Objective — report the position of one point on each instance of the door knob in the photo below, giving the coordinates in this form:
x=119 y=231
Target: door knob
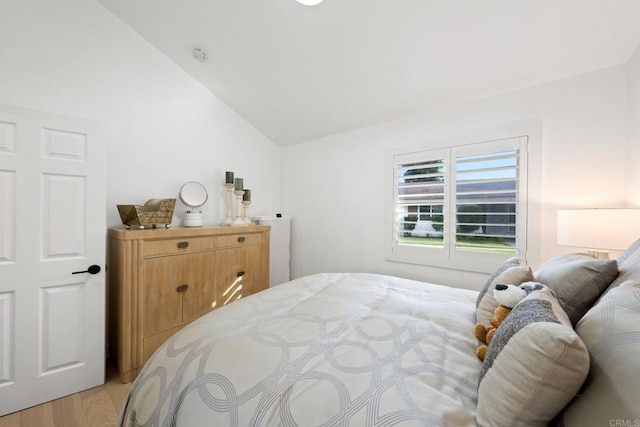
x=93 y=269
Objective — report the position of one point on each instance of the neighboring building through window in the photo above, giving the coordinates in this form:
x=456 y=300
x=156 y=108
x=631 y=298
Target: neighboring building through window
x=461 y=206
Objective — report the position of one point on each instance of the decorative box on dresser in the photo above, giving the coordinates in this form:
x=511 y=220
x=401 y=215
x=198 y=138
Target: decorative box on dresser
x=162 y=279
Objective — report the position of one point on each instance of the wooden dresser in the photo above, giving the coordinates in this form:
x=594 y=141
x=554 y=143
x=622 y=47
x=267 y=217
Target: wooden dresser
x=162 y=279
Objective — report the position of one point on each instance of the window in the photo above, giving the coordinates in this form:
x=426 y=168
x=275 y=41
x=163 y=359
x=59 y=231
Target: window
x=463 y=206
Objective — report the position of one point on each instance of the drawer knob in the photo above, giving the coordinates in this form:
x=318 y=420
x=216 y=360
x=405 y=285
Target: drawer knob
x=241 y=239
x=182 y=288
x=183 y=245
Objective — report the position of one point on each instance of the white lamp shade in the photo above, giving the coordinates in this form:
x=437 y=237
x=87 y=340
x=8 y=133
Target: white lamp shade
x=598 y=228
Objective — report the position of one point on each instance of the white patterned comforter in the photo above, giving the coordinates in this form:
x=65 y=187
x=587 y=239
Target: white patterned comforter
x=327 y=349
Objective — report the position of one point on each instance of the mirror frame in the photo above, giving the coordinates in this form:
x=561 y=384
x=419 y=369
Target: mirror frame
x=187 y=199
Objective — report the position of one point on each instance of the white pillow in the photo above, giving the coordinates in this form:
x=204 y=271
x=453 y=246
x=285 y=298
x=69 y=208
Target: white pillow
x=629 y=265
x=611 y=332
x=534 y=365
x=509 y=273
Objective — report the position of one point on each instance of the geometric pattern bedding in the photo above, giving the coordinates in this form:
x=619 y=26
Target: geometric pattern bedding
x=328 y=349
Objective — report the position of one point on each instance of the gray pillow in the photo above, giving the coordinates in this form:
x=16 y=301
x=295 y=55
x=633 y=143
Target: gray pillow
x=578 y=280
x=534 y=365
x=611 y=332
x=512 y=273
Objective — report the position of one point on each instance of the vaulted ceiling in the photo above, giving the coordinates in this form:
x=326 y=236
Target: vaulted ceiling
x=299 y=72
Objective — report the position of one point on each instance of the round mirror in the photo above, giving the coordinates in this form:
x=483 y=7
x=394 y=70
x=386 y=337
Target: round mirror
x=193 y=194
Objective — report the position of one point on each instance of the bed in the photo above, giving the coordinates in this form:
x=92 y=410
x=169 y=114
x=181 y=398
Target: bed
x=372 y=350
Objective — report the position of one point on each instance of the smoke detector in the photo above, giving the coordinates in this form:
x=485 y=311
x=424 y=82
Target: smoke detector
x=200 y=55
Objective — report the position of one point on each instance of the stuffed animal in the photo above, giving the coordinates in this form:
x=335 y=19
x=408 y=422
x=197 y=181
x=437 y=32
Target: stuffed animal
x=507 y=296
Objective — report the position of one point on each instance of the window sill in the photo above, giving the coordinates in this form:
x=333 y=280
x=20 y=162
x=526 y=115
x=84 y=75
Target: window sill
x=483 y=266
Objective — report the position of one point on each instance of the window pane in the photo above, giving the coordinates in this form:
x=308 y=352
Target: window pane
x=486 y=202
x=420 y=203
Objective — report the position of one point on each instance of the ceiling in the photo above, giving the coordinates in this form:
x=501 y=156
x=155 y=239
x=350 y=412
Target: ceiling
x=299 y=73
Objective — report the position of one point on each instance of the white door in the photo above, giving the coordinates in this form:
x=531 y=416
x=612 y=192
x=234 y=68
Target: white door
x=52 y=224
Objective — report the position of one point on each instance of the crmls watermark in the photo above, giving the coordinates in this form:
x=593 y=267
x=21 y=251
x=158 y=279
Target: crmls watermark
x=624 y=423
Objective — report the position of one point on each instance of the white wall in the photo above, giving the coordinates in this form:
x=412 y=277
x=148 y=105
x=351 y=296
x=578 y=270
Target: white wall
x=74 y=57
x=334 y=188
x=633 y=126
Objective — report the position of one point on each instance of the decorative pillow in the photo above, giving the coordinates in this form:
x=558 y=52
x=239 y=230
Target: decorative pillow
x=629 y=265
x=611 y=332
x=534 y=365
x=578 y=280
x=509 y=273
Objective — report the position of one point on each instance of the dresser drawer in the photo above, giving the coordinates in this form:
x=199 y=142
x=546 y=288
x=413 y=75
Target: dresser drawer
x=176 y=246
x=239 y=240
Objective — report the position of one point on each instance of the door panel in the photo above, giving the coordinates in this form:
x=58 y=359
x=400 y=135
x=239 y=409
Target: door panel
x=199 y=297
x=62 y=222
x=236 y=274
x=7 y=216
x=250 y=259
x=52 y=223
x=64 y=145
x=62 y=309
x=228 y=283
x=7 y=325
x=161 y=301
x=7 y=137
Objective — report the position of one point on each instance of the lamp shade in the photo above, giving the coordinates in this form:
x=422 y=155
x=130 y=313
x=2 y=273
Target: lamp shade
x=598 y=228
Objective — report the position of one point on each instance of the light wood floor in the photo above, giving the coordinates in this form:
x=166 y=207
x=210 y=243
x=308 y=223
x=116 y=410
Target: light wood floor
x=95 y=407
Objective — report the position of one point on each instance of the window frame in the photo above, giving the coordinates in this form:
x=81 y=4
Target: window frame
x=526 y=137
